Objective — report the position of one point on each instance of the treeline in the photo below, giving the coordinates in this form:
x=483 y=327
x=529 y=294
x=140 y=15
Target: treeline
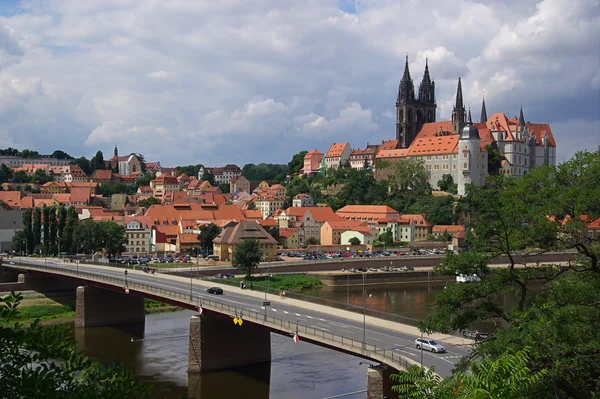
x=56 y=230
x=13 y=152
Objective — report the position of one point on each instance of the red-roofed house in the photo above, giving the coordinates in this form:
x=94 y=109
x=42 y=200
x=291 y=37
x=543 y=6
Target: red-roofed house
x=331 y=231
x=164 y=184
x=312 y=162
x=138 y=234
x=288 y=238
x=308 y=220
x=365 y=234
x=367 y=213
x=422 y=227
x=338 y=154
x=11 y=198
x=363 y=158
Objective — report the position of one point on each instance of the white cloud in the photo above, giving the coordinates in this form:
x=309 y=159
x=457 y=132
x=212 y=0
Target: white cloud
x=231 y=81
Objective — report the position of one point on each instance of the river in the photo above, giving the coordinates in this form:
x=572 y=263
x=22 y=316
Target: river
x=298 y=370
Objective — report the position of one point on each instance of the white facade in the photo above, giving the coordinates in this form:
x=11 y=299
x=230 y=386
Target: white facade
x=337 y=160
x=365 y=238
x=303 y=200
x=17 y=162
x=269 y=204
x=138 y=238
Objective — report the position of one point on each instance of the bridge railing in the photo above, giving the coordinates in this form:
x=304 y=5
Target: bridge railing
x=374 y=352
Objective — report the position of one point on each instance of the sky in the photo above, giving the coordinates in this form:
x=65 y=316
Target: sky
x=251 y=81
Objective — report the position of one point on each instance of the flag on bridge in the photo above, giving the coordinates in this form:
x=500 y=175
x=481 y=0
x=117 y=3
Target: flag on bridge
x=296 y=338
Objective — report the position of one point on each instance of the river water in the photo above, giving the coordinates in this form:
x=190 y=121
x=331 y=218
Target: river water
x=298 y=370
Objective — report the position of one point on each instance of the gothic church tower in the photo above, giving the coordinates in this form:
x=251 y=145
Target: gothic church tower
x=411 y=112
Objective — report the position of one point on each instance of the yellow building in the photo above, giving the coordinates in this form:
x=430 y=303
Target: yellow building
x=225 y=244
x=288 y=238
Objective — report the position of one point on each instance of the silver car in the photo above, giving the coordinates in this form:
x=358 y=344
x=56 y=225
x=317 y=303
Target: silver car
x=430 y=345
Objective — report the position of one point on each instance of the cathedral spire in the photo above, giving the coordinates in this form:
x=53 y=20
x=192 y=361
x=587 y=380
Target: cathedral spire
x=116 y=151
x=483 y=118
x=426 y=77
x=459 y=97
x=521 y=120
x=469 y=120
x=406 y=75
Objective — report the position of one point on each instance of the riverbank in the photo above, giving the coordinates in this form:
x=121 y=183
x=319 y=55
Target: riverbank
x=278 y=282
x=59 y=308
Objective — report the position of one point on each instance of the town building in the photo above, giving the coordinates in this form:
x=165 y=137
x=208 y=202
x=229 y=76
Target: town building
x=365 y=234
x=226 y=243
x=361 y=159
x=68 y=174
x=11 y=198
x=367 y=213
x=127 y=165
x=312 y=162
x=239 y=183
x=421 y=226
x=308 y=220
x=17 y=162
x=303 y=200
x=222 y=175
x=138 y=234
x=164 y=184
x=331 y=231
x=11 y=221
x=268 y=204
x=338 y=155
x=288 y=238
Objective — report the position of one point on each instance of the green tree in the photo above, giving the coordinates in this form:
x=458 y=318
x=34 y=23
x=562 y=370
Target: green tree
x=28 y=228
x=53 y=224
x=296 y=163
x=209 y=177
x=20 y=177
x=60 y=227
x=4 y=206
x=86 y=165
x=97 y=162
x=6 y=174
x=142 y=160
x=409 y=176
x=247 y=256
x=263 y=171
x=113 y=237
x=494 y=160
x=546 y=210
x=58 y=154
x=251 y=206
x=40 y=177
x=37 y=226
x=145 y=180
x=312 y=241
x=224 y=188
x=207 y=234
x=148 y=202
x=354 y=241
x=72 y=220
x=19 y=241
x=387 y=237
x=447 y=184
x=44 y=362
x=46 y=228
x=507 y=377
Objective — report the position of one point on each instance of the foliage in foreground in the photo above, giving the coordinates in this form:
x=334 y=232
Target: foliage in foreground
x=43 y=362
x=546 y=210
x=507 y=377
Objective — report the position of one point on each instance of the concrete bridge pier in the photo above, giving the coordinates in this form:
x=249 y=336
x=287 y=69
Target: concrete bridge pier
x=218 y=344
x=98 y=307
x=379 y=384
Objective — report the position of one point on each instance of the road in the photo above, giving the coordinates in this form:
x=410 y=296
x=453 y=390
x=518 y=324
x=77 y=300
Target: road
x=396 y=340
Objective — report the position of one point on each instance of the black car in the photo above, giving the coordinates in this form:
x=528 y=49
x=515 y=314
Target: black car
x=215 y=290
x=229 y=275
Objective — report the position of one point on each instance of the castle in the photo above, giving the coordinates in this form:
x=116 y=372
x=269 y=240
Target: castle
x=458 y=147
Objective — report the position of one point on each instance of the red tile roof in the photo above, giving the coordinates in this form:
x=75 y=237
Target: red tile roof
x=102 y=174
x=320 y=214
x=11 y=198
x=389 y=145
x=336 y=149
x=419 y=219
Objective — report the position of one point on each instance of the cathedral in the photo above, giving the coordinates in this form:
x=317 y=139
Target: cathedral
x=459 y=147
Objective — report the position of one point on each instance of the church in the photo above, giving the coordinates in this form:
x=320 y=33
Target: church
x=458 y=147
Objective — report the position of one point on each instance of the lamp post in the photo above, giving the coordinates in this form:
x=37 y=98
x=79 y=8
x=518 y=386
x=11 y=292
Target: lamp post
x=126 y=278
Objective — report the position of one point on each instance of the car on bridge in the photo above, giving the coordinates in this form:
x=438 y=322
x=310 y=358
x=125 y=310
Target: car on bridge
x=430 y=345
x=215 y=290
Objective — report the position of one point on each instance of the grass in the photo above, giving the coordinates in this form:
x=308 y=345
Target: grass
x=282 y=282
x=44 y=312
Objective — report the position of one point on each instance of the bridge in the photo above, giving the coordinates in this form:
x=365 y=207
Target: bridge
x=106 y=296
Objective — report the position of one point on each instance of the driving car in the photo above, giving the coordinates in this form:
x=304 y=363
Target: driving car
x=430 y=345
x=215 y=290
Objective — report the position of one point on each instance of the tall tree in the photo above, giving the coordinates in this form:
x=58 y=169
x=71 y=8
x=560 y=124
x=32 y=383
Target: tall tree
x=60 y=231
x=37 y=226
x=20 y=176
x=67 y=242
x=409 y=176
x=207 y=234
x=494 y=160
x=296 y=163
x=98 y=161
x=247 y=256
x=28 y=228
x=53 y=225
x=209 y=177
x=85 y=165
x=113 y=237
x=46 y=227
x=142 y=160
x=6 y=174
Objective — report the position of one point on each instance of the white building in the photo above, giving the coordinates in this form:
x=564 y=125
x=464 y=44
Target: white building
x=17 y=162
x=222 y=175
x=338 y=155
x=303 y=200
x=138 y=234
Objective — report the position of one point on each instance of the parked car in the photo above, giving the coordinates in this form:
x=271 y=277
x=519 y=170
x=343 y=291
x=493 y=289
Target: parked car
x=215 y=290
x=372 y=269
x=406 y=268
x=393 y=269
x=219 y=275
x=429 y=345
x=229 y=275
x=212 y=257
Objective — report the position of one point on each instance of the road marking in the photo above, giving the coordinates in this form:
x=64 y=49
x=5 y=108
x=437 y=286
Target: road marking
x=274 y=310
x=262 y=307
x=286 y=312
x=319 y=328
x=341 y=325
x=374 y=339
x=407 y=352
x=309 y=316
x=253 y=310
x=322 y=319
x=321 y=324
x=299 y=315
x=349 y=332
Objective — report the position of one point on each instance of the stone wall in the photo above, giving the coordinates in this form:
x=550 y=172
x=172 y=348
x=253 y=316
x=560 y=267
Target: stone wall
x=218 y=344
x=99 y=307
